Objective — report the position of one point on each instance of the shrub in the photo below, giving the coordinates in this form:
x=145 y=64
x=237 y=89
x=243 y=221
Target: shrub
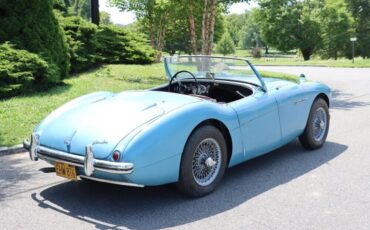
x=256 y=52
x=116 y=45
x=90 y=45
x=31 y=25
x=19 y=69
x=82 y=42
x=226 y=45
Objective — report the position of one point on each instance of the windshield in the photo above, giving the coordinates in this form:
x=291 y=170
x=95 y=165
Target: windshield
x=222 y=68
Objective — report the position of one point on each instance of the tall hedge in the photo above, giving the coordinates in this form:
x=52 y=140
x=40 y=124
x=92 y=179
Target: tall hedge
x=116 y=45
x=82 y=42
x=31 y=25
x=90 y=45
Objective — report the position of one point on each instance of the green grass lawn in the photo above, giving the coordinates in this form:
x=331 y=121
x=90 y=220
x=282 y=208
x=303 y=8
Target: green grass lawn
x=359 y=62
x=19 y=115
x=292 y=60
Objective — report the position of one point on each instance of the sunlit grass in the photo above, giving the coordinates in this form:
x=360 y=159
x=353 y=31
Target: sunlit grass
x=284 y=76
x=293 y=60
x=359 y=62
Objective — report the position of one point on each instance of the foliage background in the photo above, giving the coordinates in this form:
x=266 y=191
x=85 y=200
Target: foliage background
x=33 y=26
x=41 y=46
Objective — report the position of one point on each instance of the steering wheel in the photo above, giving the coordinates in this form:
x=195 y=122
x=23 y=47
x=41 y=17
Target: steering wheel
x=179 y=82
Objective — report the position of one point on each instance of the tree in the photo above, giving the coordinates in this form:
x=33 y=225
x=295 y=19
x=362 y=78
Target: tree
x=160 y=15
x=360 y=10
x=190 y=10
x=80 y=8
x=245 y=30
x=172 y=25
x=32 y=25
x=177 y=36
x=226 y=45
x=234 y=23
x=336 y=29
x=291 y=24
x=152 y=14
x=208 y=23
x=104 y=18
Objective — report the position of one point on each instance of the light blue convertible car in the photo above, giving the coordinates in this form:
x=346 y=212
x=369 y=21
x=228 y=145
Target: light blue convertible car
x=214 y=113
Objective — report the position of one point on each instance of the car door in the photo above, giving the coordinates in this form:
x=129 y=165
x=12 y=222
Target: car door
x=294 y=104
x=259 y=123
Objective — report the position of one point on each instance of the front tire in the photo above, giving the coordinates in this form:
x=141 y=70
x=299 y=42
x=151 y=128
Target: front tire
x=203 y=162
x=317 y=128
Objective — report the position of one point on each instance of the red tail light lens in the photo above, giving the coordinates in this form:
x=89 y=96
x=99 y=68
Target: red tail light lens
x=116 y=155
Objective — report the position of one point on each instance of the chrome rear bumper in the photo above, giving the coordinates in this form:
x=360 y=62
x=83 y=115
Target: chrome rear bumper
x=88 y=162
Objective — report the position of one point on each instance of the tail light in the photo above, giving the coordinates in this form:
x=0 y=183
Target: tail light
x=116 y=155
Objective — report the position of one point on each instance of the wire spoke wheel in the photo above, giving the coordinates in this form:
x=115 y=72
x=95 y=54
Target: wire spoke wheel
x=319 y=124
x=317 y=127
x=206 y=161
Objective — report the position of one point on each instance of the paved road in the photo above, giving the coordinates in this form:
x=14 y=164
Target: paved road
x=287 y=189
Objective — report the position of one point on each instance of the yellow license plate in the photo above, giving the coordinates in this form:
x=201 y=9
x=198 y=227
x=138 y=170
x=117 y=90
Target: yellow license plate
x=65 y=170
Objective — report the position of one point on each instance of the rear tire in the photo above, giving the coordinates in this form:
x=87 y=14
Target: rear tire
x=317 y=128
x=203 y=162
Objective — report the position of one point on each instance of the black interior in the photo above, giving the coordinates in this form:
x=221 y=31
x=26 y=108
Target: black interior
x=217 y=90
x=228 y=93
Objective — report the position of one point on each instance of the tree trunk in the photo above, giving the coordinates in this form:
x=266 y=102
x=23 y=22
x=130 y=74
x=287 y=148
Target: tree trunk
x=266 y=49
x=151 y=30
x=306 y=54
x=208 y=25
x=95 y=12
x=161 y=34
x=193 y=34
x=205 y=27
x=211 y=25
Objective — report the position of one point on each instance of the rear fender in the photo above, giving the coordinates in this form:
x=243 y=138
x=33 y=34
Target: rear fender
x=156 y=150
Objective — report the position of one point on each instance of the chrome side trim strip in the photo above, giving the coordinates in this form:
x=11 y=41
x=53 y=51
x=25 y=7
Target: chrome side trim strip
x=300 y=101
x=111 y=181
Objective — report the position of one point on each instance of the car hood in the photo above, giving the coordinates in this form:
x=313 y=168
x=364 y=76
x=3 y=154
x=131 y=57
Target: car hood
x=105 y=118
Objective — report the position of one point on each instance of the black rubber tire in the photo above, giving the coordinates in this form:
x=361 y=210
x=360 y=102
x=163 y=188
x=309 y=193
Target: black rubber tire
x=187 y=183
x=306 y=139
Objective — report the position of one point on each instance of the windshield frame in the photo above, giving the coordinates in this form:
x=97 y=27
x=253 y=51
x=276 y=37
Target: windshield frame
x=248 y=63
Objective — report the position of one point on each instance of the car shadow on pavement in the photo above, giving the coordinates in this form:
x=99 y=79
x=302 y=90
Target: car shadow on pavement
x=347 y=101
x=12 y=173
x=110 y=207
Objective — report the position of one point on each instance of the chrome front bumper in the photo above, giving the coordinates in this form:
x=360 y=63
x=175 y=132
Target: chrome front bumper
x=88 y=162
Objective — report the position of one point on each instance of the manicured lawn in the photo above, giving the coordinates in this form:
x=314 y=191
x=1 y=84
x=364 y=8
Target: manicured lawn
x=359 y=62
x=292 y=60
x=19 y=115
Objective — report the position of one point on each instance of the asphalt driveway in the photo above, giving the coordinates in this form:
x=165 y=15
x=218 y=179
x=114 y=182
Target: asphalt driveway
x=289 y=188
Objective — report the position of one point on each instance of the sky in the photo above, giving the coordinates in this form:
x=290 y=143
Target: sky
x=125 y=18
